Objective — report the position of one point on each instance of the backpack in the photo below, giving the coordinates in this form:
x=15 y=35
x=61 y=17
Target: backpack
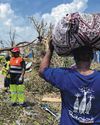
x=76 y=30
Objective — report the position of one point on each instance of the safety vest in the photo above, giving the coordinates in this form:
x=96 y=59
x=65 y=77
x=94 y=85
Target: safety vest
x=5 y=69
x=15 y=65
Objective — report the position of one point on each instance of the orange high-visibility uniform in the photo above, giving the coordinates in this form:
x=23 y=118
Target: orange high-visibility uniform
x=15 y=65
x=16 y=87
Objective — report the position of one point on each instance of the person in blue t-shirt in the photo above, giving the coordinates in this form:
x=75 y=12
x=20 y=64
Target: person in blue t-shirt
x=79 y=87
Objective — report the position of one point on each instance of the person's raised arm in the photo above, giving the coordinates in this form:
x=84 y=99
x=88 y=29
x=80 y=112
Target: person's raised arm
x=45 y=63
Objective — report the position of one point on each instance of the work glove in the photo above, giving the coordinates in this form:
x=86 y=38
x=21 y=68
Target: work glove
x=21 y=79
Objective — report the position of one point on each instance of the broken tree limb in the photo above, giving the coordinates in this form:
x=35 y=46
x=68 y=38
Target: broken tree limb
x=25 y=43
x=19 y=45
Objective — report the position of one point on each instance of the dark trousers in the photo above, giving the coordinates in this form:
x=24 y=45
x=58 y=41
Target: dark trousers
x=15 y=79
x=7 y=82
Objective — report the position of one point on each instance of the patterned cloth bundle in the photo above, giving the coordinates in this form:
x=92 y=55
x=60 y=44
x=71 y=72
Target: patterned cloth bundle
x=76 y=30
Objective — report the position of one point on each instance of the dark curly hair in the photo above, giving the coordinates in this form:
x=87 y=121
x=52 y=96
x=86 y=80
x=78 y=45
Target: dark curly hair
x=83 y=54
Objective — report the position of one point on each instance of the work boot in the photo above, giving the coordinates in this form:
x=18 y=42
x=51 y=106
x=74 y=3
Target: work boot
x=23 y=104
x=14 y=104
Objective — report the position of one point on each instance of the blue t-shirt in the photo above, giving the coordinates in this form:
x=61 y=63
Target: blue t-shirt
x=80 y=95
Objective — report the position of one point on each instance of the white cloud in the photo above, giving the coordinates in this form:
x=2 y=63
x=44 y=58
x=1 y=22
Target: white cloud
x=61 y=10
x=9 y=20
x=5 y=10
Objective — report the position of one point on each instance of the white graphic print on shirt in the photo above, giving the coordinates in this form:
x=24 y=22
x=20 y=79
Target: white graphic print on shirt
x=83 y=106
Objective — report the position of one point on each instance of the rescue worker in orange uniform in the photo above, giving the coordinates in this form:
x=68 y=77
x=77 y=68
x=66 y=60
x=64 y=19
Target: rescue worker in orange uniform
x=17 y=71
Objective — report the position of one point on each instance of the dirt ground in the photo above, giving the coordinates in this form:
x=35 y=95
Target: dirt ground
x=34 y=114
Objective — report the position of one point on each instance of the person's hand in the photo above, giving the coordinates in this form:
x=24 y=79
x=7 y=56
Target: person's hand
x=21 y=78
x=40 y=38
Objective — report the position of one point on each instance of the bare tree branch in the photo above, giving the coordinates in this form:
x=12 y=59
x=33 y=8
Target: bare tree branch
x=19 y=45
x=12 y=37
x=40 y=26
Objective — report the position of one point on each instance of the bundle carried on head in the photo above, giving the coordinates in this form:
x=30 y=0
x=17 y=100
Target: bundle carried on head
x=76 y=30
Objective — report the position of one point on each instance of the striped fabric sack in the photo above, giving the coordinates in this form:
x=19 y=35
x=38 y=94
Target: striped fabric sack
x=75 y=30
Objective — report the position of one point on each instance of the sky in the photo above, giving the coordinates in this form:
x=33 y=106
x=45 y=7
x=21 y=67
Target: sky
x=14 y=14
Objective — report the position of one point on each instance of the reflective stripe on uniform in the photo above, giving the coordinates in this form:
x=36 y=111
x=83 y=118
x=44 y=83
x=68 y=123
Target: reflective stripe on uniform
x=15 y=71
x=15 y=67
x=20 y=92
x=13 y=92
x=17 y=93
